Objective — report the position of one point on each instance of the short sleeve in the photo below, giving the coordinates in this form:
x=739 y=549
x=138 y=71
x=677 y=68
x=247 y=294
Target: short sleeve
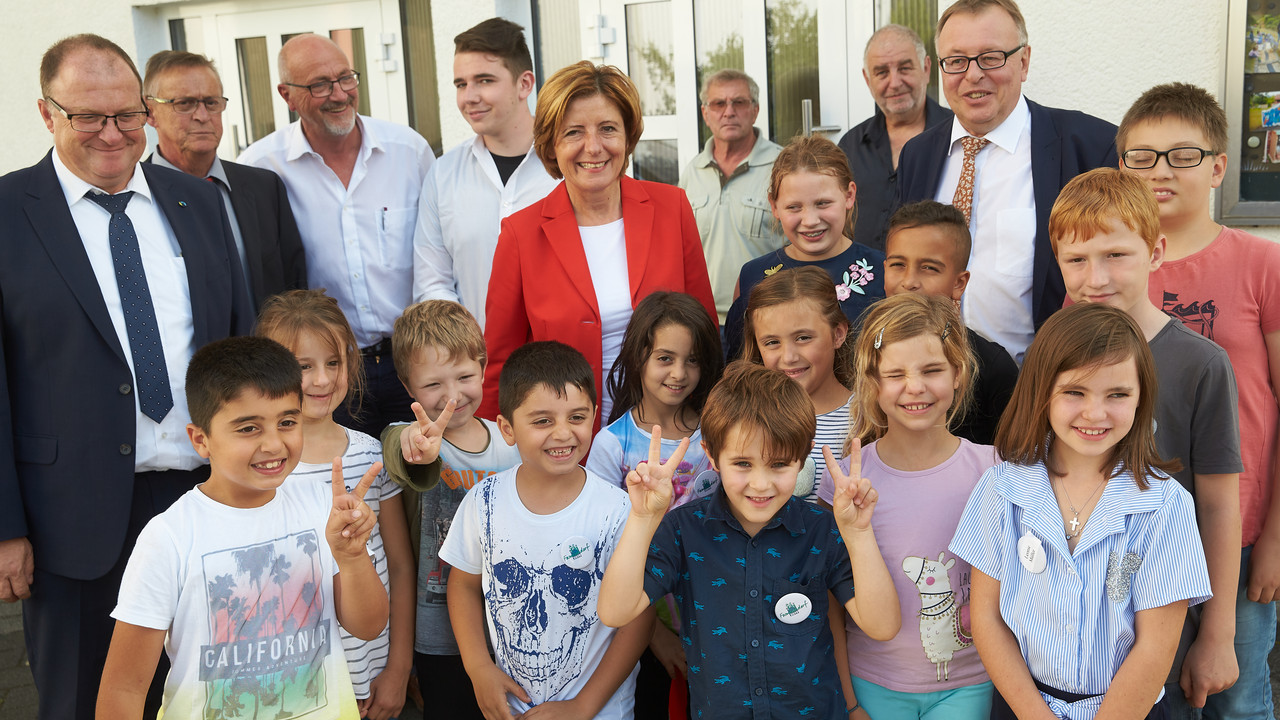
x=1215 y=424
x=615 y=522
x=152 y=580
x=1172 y=557
x=979 y=536
x=605 y=459
x=665 y=555
x=461 y=547
x=384 y=486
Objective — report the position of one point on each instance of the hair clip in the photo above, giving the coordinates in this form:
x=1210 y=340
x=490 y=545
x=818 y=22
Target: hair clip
x=946 y=330
x=879 y=338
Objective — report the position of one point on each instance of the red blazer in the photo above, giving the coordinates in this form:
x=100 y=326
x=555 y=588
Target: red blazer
x=540 y=288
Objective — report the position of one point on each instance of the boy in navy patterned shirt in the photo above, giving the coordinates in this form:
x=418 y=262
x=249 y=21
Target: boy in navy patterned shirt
x=750 y=566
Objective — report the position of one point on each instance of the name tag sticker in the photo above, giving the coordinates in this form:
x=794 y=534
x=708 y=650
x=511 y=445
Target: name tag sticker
x=1031 y=553
x=576 y=552
x=793 y=608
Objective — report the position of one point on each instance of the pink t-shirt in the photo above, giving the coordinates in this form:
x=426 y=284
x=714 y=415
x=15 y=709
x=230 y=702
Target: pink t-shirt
x=1230 y=293
x=915 y=519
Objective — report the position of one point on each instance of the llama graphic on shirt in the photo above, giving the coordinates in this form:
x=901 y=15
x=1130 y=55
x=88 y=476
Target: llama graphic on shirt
x=270 y=635
x=943 y=621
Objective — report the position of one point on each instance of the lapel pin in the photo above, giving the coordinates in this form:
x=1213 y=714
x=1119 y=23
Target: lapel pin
x=182 y=203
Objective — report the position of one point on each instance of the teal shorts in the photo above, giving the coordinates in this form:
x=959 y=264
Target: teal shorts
x=972 y=702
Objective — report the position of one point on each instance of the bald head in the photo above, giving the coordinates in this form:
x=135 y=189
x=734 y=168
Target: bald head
x=300 y=47
x=310 y=59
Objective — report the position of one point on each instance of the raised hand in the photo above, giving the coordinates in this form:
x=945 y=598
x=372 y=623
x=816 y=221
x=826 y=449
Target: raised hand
x=350 y=519
x=649 y=484
x=420 y=441
x=854 y=498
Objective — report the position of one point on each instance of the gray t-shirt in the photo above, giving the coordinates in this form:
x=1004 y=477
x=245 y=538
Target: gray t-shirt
x=1196 y=422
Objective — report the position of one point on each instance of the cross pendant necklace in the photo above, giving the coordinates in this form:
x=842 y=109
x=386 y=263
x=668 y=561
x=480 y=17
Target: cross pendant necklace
x=1075 y=514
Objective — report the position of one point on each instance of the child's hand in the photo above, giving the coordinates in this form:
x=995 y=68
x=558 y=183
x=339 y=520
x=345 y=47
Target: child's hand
x=420 y=441
x=350 y=520
x=649 y=484
x=557 y=710
x=386 y=697
x=492 y=687
x=665 y=645
x=854 y=499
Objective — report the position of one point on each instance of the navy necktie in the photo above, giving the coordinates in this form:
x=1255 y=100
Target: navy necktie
x=150 y=372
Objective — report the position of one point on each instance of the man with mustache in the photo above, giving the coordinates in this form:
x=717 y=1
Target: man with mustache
x=354 y=183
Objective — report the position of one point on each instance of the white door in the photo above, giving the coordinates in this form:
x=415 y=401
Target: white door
x=245 y=46
x=796 y=50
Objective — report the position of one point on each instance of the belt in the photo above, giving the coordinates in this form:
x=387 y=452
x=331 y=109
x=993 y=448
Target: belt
x=1062 y=695
x=382 y=347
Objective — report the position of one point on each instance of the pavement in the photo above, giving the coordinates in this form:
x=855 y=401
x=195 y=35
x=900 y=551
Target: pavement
x=18 y=692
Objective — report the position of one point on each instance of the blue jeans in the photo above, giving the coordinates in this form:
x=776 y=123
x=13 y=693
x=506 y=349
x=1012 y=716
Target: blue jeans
x=1250 y=697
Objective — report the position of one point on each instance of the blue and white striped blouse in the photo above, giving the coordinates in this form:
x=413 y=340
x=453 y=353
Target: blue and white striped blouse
x=1075 y=620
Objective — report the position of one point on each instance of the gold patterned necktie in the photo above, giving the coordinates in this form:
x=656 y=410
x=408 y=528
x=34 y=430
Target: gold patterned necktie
x=963 y=200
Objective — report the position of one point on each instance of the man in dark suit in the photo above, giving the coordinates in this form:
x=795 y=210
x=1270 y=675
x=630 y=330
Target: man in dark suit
x=1002 y=161
x=104 y=270
x=184 y=94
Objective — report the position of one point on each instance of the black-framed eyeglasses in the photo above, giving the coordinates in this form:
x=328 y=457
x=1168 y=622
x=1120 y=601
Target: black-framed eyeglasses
x=324 y=88
x=991 y=60
x=1179 y=157
x=719 y=105
x=95 y=122
x=188 y=105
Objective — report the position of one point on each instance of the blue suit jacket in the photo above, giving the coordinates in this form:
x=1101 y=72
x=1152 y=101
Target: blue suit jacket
x=1064 y=143
x=67 y=422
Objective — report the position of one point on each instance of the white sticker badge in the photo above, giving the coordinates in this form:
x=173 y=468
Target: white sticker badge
x=576 y=552
x=793 y=608
x=1031 y=553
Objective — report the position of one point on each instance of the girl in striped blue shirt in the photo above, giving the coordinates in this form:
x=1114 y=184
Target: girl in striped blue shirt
x=1084 y=555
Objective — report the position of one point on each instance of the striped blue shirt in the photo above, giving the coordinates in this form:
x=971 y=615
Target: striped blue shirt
x=1075 y=620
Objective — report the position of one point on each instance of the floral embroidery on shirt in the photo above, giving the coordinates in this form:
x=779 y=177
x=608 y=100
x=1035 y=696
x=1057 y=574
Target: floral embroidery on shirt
x=855 y=278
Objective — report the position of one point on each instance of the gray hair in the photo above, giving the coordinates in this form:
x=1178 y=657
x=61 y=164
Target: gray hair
x=728 y=75
x=903 y=32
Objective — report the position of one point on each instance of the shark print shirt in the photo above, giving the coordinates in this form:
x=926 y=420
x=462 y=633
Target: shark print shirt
x=754 y=609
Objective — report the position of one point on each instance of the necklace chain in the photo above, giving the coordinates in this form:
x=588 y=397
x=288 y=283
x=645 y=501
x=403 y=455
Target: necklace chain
x=1077 y=527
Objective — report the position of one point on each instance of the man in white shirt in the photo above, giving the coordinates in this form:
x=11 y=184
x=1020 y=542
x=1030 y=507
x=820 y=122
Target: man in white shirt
x=481 y=181
x=1002 y=161
x=184 y=93
x=354 y=183
x=112 y=273
x=728 y=183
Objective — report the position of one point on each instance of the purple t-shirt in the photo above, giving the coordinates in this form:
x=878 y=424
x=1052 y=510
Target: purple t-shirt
x=915 y=519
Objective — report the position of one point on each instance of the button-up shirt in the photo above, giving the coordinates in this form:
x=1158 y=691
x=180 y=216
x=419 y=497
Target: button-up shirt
x=870 y=156
x=459 y=218
x=732 y=212
x=997 y=302
x=358 y=237
x=158 y=445
x=224 y=189
x=744 y=662
x=1075 y=619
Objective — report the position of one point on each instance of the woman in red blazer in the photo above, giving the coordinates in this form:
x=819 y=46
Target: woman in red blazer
x=587 y=123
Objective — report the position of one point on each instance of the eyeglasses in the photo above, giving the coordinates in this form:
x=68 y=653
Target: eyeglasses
x=719 y=105
x=1179 y=157
x=992 y=60
x=324 y=88
x=188 y=105
x=95 y=122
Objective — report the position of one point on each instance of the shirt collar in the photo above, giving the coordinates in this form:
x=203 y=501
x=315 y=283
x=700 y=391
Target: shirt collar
x=74 y=188
x=791 y=516
x=1005 y=135
x=215 y=170
x=298 y=144
x=761 y=152
x=1027 y=487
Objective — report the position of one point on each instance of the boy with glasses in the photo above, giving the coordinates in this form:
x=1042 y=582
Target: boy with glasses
x=1224 y=284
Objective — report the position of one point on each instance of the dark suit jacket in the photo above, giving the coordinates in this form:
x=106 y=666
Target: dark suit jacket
x=541 y=287
x=67 y=423
x=272 y=244
x=1064 y=143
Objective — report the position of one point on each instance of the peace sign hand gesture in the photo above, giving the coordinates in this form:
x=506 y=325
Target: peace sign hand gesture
x=350 y=519
x=649 y=484
x=854 y=499
x=420 y=441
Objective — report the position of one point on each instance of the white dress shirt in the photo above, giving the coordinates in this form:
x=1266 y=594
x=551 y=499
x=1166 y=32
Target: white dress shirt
x=358 y=238
x=224 y=189
x=459 y=218
x=997 y=303
x=157 y=445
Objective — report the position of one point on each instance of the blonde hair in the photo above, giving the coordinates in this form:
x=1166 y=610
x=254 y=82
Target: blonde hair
x=441 y=324
x=286 y=316
x=802 y=283
x=814 y=154
x=903 y=317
